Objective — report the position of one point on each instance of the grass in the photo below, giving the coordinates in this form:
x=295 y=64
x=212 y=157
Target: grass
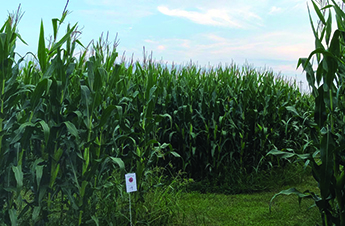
x=249 y=209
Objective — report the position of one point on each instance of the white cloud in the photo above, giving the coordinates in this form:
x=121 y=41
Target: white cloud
x=116 y=11
x=216 y=38
x=278 y=50
x=275 y=9
x=99 y=2
x=110 y=3
x=161 y=47
x=300 y=6
x=255 y=43
x=115 y=16
x=214 y=17
x=282 y=45
x=157 y=45
x=149 y=41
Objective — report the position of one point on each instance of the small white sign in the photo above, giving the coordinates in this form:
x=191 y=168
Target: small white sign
x=131 y=182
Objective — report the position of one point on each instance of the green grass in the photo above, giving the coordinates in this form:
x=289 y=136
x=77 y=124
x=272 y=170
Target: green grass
x=248 y=209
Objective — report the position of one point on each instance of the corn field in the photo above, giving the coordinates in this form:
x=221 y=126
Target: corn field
x=71 y=126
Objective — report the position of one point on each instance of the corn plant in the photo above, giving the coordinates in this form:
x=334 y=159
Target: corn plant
x=11 y=156
x=327 y=85
x=71 y=126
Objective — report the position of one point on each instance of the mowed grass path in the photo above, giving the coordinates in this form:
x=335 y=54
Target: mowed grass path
x=249 y=209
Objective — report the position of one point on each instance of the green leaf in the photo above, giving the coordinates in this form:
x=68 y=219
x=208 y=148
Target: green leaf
x=39 y=171
x=329 y=27
x=326 y=167
x=290 y=191
x=46 y=130
x=41 y=53
x=101 y=73
x=175 y=154
x=120 y=112
x=339 y=22
x=312 y=24
x=3 y=37
x=309 y=71
x=149 y=109
x=111 y=60
x=293 y=110
x=35 y=213
x=90 y=75
x=81 y=44
x=95 y=219
x=321 y=70
x=335 y=44
x=166 y=115
x=320 y=114
x=281 y=154
x=13 y=216
x=319 y=13
x=213 y=149
x=152 y=91
x=62 y=40
x=72 y=129
x=20 y=131
x=18 y=174
x=23 y=212
x=119 y=162
x=319 y=51
x=338 y=10
x=85 y=91
x=38 y=92
x=42 y=193
x=21 y=39
x=53 y=174
x=83 y=187
x=106 y=114
x=57 y=155
x=55 y=27
x=85 y=98
x=70 y=69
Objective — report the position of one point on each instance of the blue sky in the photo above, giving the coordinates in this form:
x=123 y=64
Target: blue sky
x=264 y=33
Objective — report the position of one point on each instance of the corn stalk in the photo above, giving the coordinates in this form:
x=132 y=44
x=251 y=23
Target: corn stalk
x=327 y=84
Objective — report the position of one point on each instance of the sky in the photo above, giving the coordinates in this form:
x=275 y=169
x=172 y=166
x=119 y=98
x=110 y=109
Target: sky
x=267 y=34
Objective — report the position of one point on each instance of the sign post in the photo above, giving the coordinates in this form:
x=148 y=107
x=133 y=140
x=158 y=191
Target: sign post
x=131 y=186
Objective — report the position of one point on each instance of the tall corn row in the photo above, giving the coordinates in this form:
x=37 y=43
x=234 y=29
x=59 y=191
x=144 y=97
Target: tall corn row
x=228 y=118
